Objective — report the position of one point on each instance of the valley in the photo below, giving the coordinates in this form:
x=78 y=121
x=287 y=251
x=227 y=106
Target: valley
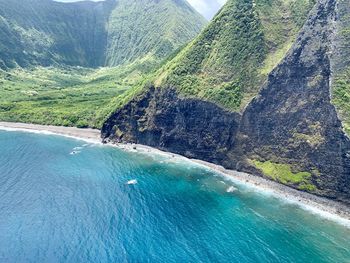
x=65 y=96
x=72 y=70
x=263 y=88
x=138 y=131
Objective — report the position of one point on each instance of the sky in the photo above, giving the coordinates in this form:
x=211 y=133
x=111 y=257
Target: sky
x=207 y=8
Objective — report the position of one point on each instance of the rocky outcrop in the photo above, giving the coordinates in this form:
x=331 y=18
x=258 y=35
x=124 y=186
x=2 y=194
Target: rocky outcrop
x=291 y=126
x=161 y=119
x=293 y=121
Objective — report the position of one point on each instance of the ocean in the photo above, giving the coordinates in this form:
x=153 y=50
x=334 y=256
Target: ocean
x=66 y=200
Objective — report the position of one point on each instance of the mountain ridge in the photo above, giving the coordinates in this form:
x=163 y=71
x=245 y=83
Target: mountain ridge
x=229 y=61
x=46 y=33
x=289 y=131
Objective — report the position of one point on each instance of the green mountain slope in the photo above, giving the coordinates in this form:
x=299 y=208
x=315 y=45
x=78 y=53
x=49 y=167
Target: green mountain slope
x=232 y=57
x=43 y=32
x=341 y=66
x=92 y=34
x=50 y=54
x=292 y=131
x=138 y=28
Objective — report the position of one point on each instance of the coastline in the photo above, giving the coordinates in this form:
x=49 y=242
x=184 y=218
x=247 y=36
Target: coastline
x=323 y=207
x=92 y=135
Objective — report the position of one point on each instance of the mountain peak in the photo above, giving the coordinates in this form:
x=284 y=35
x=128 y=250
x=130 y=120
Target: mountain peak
x=231 y=58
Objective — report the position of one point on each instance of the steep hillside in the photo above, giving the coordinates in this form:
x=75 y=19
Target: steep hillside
x=292 y=124
x=47 y=50
x=341 y=65
x=230 y=60
x=43 y=32
x=92 y=34
x=290 y=131
x=137 y=28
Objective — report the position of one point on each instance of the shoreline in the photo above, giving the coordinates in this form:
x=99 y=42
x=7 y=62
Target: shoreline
x=326 y=208
x=92 y=135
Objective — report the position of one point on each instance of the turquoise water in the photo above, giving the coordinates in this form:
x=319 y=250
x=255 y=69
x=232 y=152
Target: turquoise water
x=58 y=207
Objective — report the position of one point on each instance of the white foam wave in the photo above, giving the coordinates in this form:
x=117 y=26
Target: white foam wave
x=239 y=180
x=306 y=205
x=78 y=148
x=44 y=132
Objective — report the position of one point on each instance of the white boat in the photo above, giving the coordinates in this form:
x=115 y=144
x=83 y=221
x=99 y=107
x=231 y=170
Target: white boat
x=132 y=182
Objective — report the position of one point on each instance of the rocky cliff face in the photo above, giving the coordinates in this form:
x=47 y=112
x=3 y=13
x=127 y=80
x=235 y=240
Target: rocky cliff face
x=162 y=119
x=293 y=121
x=289 y=133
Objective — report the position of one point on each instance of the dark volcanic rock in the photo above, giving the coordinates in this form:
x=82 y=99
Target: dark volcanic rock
x=292 y=121
x=161 y=119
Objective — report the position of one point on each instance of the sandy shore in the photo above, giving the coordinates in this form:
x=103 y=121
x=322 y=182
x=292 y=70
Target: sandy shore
x=86 y=134
x=326 y=208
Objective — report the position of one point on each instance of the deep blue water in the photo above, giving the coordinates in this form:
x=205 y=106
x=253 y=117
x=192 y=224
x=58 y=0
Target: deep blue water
x=57 y=207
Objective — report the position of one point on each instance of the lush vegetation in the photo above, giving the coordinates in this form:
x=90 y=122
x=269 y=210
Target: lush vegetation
x=228 y=62
x=341 y=97
x=284 y=174
x=93 y=34
x=138 y=28
x=68 y=96
x=50 y=53
x=341 y=75
x=47 y=33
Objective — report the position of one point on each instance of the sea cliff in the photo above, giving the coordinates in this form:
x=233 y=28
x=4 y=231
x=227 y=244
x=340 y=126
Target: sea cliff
x=291 y=132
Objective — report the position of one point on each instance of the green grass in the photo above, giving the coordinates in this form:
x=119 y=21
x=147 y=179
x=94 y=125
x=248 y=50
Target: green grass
x=70 y=96
x=229 y=61
x=341 y=98
x=341 y=72
x=283 y=173
x=131 y=37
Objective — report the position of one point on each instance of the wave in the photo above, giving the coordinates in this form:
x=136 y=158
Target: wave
x=258 y=185
x=44 y=132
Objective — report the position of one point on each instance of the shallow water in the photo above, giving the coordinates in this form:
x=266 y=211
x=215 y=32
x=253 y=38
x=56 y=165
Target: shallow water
x=62 y=207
